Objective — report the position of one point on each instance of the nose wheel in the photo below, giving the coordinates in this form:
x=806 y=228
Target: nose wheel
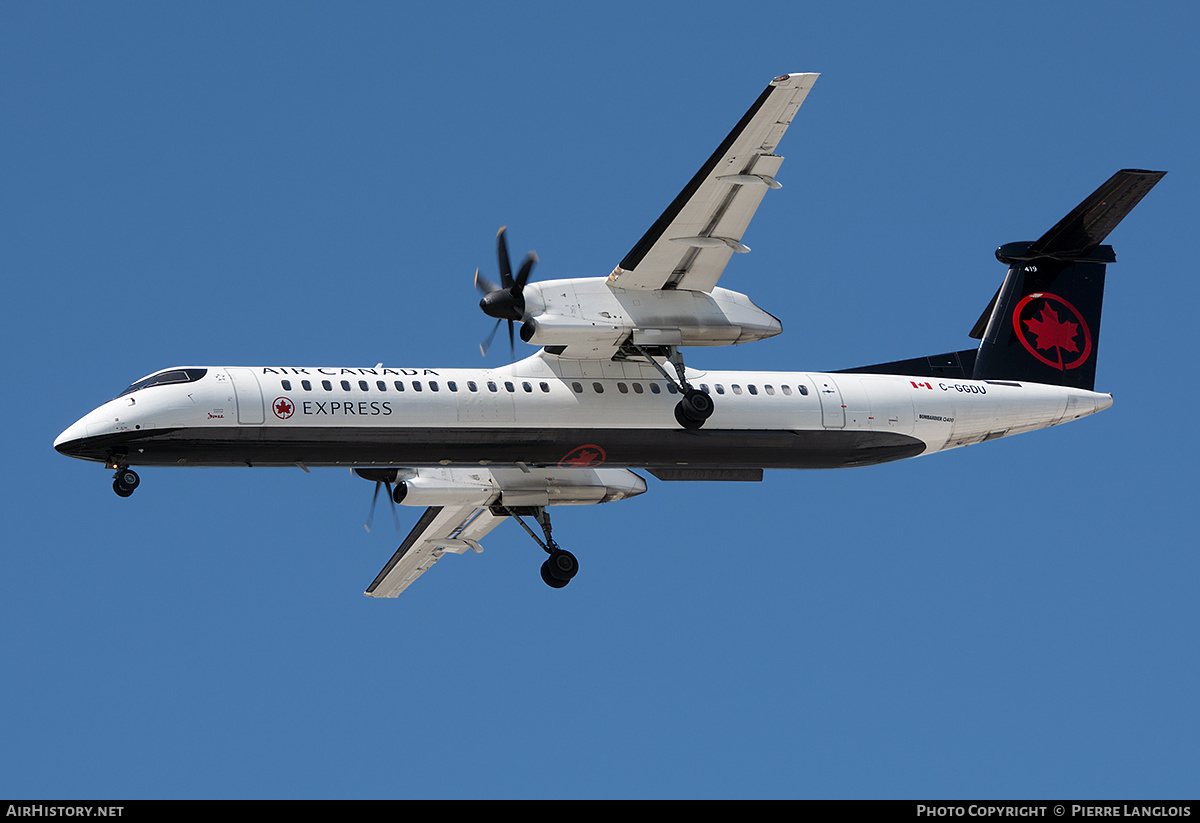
x=125 y=481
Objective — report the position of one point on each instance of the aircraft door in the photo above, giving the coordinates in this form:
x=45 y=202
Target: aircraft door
x=833 y=412
x=249 y=396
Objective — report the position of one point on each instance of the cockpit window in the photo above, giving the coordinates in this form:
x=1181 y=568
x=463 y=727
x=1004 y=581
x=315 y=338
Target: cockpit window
x=163 y=378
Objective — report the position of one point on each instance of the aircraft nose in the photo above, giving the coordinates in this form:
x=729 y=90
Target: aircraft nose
x=71 y=435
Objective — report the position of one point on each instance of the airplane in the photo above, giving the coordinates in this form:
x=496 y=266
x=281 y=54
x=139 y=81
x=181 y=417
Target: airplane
x=609 y=392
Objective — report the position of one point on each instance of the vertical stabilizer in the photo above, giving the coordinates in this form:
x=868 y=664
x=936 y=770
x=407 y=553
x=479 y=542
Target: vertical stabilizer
x=1043 y=326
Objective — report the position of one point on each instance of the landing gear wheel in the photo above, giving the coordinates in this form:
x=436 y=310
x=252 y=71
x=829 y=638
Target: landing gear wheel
x=125 y=481
x=561 y=565
x=693 y=409
x=549 y=579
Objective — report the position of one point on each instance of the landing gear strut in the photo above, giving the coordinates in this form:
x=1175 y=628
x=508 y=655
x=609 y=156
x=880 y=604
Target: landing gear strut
x=561 y=565
x=125 y=481
x=696 y=406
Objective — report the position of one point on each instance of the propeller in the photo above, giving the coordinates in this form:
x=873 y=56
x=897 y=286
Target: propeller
x=382 y=477
x=507 y=300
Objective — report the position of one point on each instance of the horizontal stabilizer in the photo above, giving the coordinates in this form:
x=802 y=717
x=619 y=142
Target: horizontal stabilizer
x=955 y=365
x=1085 y=228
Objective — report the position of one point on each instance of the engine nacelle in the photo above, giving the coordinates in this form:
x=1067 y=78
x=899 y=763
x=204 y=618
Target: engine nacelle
x=589 y=310
x=509 y=487
x=436 y=491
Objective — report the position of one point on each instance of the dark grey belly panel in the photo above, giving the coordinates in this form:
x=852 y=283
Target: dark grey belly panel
x=633 y=448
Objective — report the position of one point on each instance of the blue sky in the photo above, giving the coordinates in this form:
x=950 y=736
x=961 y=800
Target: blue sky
x=311 y=184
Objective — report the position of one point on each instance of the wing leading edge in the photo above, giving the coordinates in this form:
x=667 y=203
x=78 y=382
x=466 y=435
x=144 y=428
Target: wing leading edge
x=692 y=241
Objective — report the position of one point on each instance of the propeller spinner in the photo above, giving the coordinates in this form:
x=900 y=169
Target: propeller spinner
x=506 y=301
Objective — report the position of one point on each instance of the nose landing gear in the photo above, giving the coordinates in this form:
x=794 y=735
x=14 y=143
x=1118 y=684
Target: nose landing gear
x=125 y=481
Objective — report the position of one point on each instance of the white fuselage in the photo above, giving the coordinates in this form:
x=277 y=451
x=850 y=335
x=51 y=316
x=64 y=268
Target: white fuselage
x=551 y=411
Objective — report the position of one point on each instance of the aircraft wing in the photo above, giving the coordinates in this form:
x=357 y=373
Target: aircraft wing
x=689 y=245
x=470 y=499
x=441 y=529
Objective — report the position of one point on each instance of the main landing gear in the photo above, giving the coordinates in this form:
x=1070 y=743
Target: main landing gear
x=125 y=481
x=561 y=565
x=696 y=406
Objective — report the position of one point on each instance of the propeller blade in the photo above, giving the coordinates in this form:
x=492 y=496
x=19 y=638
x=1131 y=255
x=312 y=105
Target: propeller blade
x=487 y=344
x=506 y=279
x=371 y=513
x=506 y=301
x=484 y=285
x=523 y=274
x=392 y=503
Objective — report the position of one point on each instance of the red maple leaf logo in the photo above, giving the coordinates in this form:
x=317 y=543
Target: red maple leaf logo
x=1050 y=332
x=584 y=458
x=283 y=408
x=1053 y=332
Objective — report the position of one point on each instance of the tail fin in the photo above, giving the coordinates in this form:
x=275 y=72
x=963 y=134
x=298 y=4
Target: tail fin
x=1043 y=325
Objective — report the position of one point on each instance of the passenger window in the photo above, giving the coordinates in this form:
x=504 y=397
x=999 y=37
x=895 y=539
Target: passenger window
x=720 y=389
x=671 y=388
x=578 y=387
x=803 y=390
x=737 y=389
x=362 y=384
x=287 y=385
x=527 y=387
x=382 y=386
x=787 y=390
x=545 y=387
x=326 y=385
x=399 y=386
x=704 y=388
x=753 y=389
x=655 y=388
x=471 y=386
x=416 y=385
x=770 y=389
x=307 y=385
x=433 y=386
x=598 y=387
x=509 y=386
x=345 y=385
x=492 y=386
x=637 y=388
x=622 y=388
x=451 y=385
